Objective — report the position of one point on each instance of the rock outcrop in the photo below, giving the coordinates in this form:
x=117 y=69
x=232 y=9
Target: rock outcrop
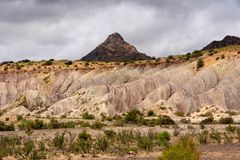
x=114 y=48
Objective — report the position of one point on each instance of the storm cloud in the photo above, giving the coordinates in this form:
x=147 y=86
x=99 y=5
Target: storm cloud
x=69 y=29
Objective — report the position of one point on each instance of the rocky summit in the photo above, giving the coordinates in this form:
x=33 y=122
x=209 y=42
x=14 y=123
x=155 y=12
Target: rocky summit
x=114 y=48
x=226 y=41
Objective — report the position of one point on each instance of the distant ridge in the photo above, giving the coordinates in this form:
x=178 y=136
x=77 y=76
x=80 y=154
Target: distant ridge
x=114 y=48
x=226 y=41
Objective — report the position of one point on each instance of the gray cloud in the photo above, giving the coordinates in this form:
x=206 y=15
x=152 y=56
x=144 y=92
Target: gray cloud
x=69 y=29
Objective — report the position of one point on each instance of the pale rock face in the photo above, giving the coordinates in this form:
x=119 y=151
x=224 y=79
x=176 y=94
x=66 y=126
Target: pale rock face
x=162 y=88
x=15 y=112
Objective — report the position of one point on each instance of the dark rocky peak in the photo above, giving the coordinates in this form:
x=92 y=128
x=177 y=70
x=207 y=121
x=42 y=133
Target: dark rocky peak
x=226 y=41
x=115 y=37
x=115 y=48
x=231 y=39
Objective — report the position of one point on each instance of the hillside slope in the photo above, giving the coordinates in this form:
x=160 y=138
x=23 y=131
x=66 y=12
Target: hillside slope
x=158 y=85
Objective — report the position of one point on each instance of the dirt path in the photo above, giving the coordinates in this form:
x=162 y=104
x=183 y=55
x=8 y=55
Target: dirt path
x=220 y=152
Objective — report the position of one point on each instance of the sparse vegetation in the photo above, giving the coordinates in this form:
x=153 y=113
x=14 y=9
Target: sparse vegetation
x=86 y=115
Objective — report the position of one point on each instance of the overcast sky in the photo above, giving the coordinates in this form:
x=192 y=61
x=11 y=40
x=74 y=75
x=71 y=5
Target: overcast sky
x=69 y=29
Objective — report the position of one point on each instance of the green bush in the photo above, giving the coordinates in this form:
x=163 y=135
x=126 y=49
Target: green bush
x=215 y=135
x=208 y=120
x=163 y=138
x=110 y=134
x=196 y=54
x=231 y=128
x=48 y=63
x=29 y=125
x=145 y=143
x=150 y=113
x=6 y=127
x=69 y=63
x=102 y=144
x=97 y=125
x=228 y=137
x=133 y=116
x=203 y=137
x=180 y=114
x=84 y=142
x=86 y=115
x=58 y=140
x=200 y=63
x=238 y=133
x=226 y=120
x=165 y=120
x=184 y=149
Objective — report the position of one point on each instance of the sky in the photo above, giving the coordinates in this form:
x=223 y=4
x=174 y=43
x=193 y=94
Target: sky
x=69 y=29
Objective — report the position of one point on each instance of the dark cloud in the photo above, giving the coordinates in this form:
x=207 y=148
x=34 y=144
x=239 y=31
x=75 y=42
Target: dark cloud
x=42 y=29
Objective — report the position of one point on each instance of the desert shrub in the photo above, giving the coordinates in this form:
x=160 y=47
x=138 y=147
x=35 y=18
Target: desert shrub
x=86 y=115
x=145 y=143
x=176 y=130
x=215 y=135
x=184 y=149
x=208 y=120
x=150 y=113
x=5 y=68
x=53 y=124
x=201 y=125
x=24 y=61
x=29 y=151
x=58 y=140
x=125 y=137
x=185 y=121
x=163 y=138
x=85 y=124
x=118 y=123
x=19 y=117
x=228 y=137
x=150 y=122
x=133 y=116
x=203 y=137
x=18 y=66
x=29 y=125
x=165 y=120
x=238 y=133
x=207 y=114
x=232 y=113
x=84 y=142
x=6 y=127
x=97 y=125
x=8 y=145
x=200 y=63
x=180 y=114
x=48 y=63
x=226 y=120
x=109 y=134
x=102 y=144
x=68 y=124
x=222 y=56
x=210 y=54
x=196 y=54
x=231 y=128
x=69 y=63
